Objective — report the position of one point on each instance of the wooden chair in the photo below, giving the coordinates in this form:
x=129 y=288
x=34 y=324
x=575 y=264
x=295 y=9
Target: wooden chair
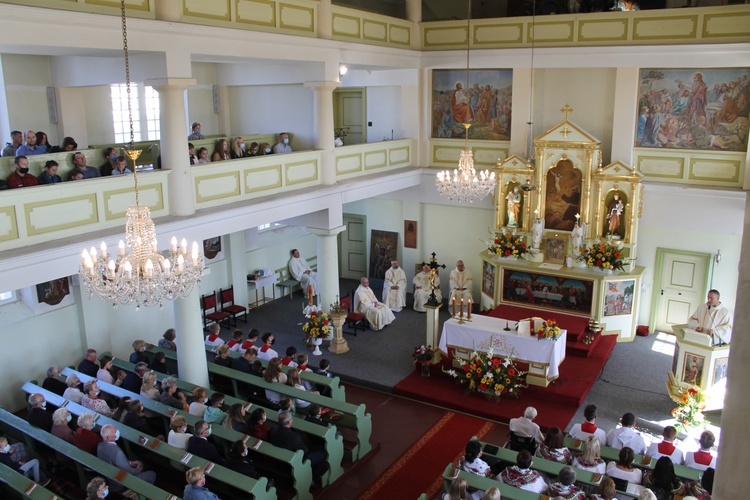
x=226 y=296
x=354 y=319
x=518 y=443
x=208 y=303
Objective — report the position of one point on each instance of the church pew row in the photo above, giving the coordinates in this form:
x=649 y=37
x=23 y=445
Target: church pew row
x=641 y=461
x=338 y=391
x=290 y=464
x=132 y=439
x=334 y=445
x=352 y=416
x=484 y=483
x=18 y=428
x=23 y=485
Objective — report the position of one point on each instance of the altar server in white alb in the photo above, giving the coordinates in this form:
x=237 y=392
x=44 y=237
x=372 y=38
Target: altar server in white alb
x=377 y=313
x=423 y=289
x=394 y=287
x=300 y=271
x=461 y=282
x=712 y=318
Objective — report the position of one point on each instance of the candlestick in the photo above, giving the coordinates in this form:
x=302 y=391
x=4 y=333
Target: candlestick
x=310 y=294
x=453 y=307
x=104 y=251
x=121 y=248
x=183 y=246
x=468 y=312
x=128 y=269
x=174 y=244
x=167 y=265
x=180 y=263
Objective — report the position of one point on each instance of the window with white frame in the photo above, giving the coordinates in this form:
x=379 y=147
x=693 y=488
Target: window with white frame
x=269 y=226
x=7 y=297
x=145 y=104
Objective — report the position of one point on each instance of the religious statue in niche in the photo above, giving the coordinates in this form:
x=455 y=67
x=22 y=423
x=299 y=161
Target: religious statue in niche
x=613 y=227
x=563 y=196
x=514 y=202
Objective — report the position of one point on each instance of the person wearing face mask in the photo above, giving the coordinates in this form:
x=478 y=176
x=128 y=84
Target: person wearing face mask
x=60 y=428
x=21 y=177
x=178 y=435
x=139 y=346
x=108 y=451
x=92 y=401
x=85 y=437
x=394 y=287
x=198 y=406
x=264 y=149
x=195 y=489
x=30 y=469
x=110 y=154
x=283 y=145
x=238 y=148
x=38 y=415
x=97 y=488
x=196 y=132
x=238 y=460
x=200 y=446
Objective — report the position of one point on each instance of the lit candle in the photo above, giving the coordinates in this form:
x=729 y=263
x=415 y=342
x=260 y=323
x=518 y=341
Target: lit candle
x=195 y=253
x=468 y=312
x=90 y=266
x=180 y=263
x=578 y=216
x=104 y=250
x=536 y=212
x=92 y=253
x=174 y=244
x=183 y=246
x=310 y=294
x=149 y=268
x=85 y=256
x=167 y=265
x=453 y=307
x=121 y=247
x=128 y=269
x=111 y=267
x=461 y=313
x=154 y=245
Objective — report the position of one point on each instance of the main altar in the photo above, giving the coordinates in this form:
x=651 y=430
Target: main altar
x=562 y=203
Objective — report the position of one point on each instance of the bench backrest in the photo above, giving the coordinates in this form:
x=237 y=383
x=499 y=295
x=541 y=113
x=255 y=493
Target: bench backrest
x=484 y=483
x=23 y=485
x=284 y=274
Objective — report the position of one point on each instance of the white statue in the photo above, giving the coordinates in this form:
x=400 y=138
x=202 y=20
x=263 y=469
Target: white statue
x=579 y=231
x=537 y=231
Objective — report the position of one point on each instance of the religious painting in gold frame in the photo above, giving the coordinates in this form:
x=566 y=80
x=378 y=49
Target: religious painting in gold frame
x=554 y=248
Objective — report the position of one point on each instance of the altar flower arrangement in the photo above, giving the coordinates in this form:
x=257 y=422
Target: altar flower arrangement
x=603 y=256
x=489 y=374
x=690 y=406
x=507 y=245
x=548 y=330
x=318 y=325
x=422 y=355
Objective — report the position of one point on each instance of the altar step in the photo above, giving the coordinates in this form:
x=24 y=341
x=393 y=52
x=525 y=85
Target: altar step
x=575 y=325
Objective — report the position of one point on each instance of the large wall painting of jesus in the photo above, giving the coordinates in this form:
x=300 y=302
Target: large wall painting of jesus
x=563 y=196
x=573 y=296
x=485 y=102
x=706 y=109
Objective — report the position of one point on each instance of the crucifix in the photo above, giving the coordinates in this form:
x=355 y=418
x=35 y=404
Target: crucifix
x=566 y=109
x=434 y=266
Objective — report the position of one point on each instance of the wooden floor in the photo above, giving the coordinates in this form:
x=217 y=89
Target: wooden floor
x=396 y=423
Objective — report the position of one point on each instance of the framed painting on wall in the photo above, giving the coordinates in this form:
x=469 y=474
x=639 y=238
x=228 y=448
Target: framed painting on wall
x=618 y=298
x=410 y=234
x=556 y=293
x=52 y=292
x=720 y=370
x=212 y=247
x=554 y=250
x=703 y=109
x=485 y=101
x=692 y=368
x=383 y=247
x=488 y=279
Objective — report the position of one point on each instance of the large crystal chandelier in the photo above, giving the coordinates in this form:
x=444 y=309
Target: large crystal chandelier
x=463 y=184
x=144 y=276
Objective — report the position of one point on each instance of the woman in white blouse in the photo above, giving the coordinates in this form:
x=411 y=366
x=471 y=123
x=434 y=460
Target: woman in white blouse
x=623 y=468
x=590 y=459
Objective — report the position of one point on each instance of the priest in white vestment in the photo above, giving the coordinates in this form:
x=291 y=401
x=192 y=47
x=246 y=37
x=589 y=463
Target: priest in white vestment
x=423 y=289
x=712 y=318
x=460 y=283
x=394 y=287
x=377 y=313
x=300 y=271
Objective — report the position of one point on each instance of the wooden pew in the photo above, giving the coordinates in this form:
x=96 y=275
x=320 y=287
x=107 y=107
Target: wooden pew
x=287 y=282
x=301 y=470
x=22 y=430
x=484 y=483
x=23 y=485
x=334 y=445
x=352 y=416
x=233 y=480
x=338 y=392
x=641 y=461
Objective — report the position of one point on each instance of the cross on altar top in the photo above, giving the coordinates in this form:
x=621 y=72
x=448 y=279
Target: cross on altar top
x=566 y=109
x=434 y=266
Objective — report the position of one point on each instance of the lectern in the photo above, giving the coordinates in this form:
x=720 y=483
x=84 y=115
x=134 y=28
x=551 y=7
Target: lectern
x=698 y=361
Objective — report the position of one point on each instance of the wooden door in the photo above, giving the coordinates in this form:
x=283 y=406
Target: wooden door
x=353 y=247
x=680 y=285
x=349 y=112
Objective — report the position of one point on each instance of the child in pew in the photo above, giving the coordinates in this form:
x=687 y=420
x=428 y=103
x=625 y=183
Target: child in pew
x=287 y=405
x=323 y=369
x=293 y=380
x=28 y=468
x=236 y=342
x=159 y=364
x=214 y=413
x=288 y=360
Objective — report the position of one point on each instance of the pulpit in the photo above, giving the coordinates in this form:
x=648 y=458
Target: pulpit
x=699 y=362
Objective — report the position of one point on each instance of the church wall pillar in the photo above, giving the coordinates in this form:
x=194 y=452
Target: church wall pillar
x=519 y=128
x=191 y=354
x=323 y=120
x=624 y=120
x=174 y=143
x=733 y=455
x=414 y=14
x=71 y=122
x=238 y=266
x=169 y=10
x=328 y=264
x=325 y=19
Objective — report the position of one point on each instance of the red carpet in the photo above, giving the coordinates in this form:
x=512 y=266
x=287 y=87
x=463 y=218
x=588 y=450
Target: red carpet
x=415 y=472
x=556 y=404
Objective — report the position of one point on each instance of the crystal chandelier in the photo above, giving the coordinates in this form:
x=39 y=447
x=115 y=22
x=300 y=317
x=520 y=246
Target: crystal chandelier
x=463 y=184
x=144 y=276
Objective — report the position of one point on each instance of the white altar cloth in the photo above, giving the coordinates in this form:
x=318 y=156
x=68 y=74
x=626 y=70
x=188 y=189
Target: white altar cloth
x=476 y=335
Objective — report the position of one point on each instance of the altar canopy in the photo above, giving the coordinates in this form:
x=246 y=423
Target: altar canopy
x=547 y=355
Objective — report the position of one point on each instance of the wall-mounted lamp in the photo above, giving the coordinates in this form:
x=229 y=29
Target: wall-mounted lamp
x=717 y=256
x=342 y=70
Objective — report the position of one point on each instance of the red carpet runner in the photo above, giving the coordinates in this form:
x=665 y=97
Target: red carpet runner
x=415 y=471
